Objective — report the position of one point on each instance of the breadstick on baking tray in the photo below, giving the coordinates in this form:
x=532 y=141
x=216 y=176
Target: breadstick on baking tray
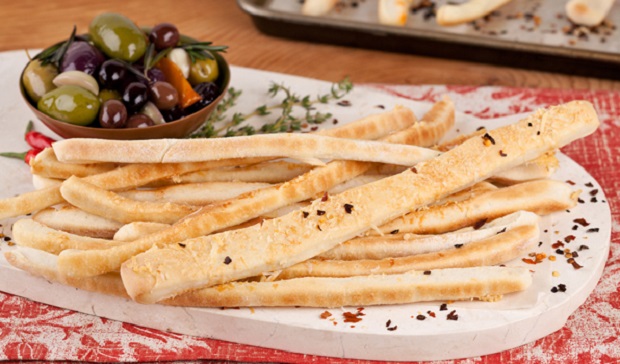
x=393 y=12
x=167 y=271
x=439 y=285
x=541 y=197
x=221 y=215
x=317 y=7
x=588 y=12
x=454 y=14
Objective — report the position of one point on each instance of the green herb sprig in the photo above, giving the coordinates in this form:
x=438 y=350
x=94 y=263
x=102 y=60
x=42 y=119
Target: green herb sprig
x=285 y=120
x=54 y=54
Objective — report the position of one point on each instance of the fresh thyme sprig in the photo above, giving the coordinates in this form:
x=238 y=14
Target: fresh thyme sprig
x=284 y=122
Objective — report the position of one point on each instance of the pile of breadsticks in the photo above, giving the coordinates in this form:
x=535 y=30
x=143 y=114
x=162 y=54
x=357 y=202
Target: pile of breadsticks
x=371 y=212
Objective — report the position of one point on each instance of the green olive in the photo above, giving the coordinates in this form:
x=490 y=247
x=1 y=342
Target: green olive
x=107 y=94
x=71 y=104
x=203 y=70
x=117 y=37
x=37 y=79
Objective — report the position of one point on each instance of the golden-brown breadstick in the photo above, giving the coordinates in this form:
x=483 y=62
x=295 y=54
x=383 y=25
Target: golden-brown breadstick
x=541 y=197
x=454 y=14
x=45 y=164
x=167 y=271
x=104 y=203
x=588 y=12
x=73 y=220
x=439 y=285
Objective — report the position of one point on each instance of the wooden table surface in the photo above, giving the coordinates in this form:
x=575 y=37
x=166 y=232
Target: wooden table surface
x=37 y=24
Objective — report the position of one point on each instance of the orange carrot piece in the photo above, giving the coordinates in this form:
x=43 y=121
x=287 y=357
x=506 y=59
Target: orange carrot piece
x=174 y=75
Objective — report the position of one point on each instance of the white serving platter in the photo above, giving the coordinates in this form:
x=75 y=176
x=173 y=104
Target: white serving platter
x=482 y=328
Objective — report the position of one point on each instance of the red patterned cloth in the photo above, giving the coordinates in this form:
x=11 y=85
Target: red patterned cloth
x=34 y=331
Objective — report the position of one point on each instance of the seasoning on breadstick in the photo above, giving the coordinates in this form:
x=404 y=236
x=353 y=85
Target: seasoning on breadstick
x=455 y=14
x=588 y=12
x=164 y=272
x=393 y=12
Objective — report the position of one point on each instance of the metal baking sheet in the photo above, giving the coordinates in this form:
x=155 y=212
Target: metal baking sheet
x=531 y=34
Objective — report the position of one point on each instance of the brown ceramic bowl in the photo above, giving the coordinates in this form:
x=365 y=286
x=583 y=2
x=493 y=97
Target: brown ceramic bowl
x=175 y=129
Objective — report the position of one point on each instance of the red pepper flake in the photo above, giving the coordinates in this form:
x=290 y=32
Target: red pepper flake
x=443 y=307
x=480 y=128
x=227 y=260
x=593 y=200
x=583 y=247
x=348 y=208
x=574 y=263
x=394 y=232
x=554 y=289
x=421 y=317
x=569 y=238
x=501 y=231
x=319 y=227
x=502 y=154
x=388 y=323
x=335 y=121
x=557 y=245
x=589 y=184
x=427 y=272
x=351 y=317
x=562 y=287
x=380 y=106
x=538 y=132
x=344 y=103
x=528 y=261
x=393 y=328
x=414 y=170
x=458 y=246
x=581 y=221
x=593 y=192
x=452 y=316
x=320 y=212
x=488 y=140
x=570 y=182
x=530 y=124
x=575 y=227
x=431 y=314
x=325 y=197
x=325 y=315
x=305 y=213
x=182 y=245
x=480 y=223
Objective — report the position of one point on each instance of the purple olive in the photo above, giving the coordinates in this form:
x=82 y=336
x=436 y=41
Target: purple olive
x=113 y=115
x=139 y=121
x=112 y=74
x=209 y=92
x=164 y=35
x=82 y=56
x=135 y=96
x=155 y=74
x=173 y=114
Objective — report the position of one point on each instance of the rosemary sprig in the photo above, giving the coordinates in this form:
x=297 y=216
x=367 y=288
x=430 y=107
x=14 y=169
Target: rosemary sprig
x=284 y=122
x=55 y=53
x=201 y=50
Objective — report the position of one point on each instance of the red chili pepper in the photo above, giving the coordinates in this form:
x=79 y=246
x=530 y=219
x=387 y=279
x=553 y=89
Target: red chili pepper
x=31 y=154
x=38 y=141
x=25 y=156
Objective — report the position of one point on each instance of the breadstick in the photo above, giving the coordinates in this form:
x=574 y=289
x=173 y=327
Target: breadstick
x=317 y=7
x=440 y=285
x=406 y=244
x=40 y=183
x=194 y=193
x=29 y=233
x=101 y=202
x=167 y=271
x=129 y=176
x=73 y=220
x=541 y=197
x=135 y=230
x=471 y=10
x=496 y=249
x=541 y=167
x=393 y=12
x=588 y=12
x=296 y=146
x=45 y=164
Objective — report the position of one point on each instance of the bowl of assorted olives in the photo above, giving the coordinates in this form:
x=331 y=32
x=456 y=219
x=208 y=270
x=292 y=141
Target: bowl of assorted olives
x=120 y=81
